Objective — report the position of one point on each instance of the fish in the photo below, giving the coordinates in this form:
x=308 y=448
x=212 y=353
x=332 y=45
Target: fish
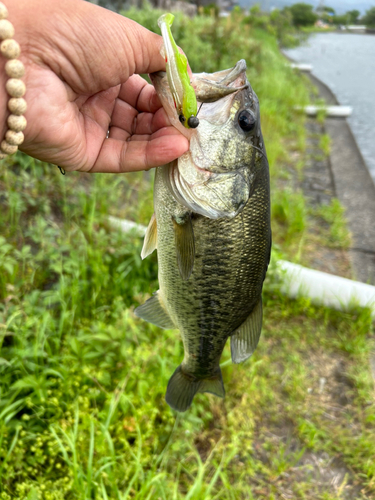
x=211 y=228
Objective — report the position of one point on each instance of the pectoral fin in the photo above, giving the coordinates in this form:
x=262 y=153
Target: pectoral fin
x=154 y=312
x=149 y=243
x=245 y=339
x=185 y=247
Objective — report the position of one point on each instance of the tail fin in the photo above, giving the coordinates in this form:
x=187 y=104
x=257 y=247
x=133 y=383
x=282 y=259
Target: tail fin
x=182 y=388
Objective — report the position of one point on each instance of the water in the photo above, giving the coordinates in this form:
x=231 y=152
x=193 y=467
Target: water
x=346 y=63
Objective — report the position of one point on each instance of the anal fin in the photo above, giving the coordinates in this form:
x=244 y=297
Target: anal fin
x=149 y=243
x=185 y=246
x=154 y=312
x=245 y=339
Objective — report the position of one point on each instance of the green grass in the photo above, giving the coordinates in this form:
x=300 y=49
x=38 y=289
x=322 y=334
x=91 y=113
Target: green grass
x=82 y=380
x=337 y=232
x=325 y=144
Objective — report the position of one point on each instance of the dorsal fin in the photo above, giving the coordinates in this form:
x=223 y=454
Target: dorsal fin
x=150 y=241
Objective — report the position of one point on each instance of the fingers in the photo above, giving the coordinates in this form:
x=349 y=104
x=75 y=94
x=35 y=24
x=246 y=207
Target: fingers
x=122 y=120
x=163 y=147
x=140 y=94
x=126 y=121
x=88 y=47
x=99 y=108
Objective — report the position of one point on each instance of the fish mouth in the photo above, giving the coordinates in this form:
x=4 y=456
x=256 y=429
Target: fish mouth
x=213 y=195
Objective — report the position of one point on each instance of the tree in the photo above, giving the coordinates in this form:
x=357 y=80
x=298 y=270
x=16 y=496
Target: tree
x=342 y=20
x=369 y=17
x=302 y=14
x=353 y=16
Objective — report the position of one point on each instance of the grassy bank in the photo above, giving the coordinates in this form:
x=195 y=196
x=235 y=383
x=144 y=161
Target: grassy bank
x=82 y=380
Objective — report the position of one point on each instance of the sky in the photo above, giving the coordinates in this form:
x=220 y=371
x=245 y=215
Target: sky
x=340 y=6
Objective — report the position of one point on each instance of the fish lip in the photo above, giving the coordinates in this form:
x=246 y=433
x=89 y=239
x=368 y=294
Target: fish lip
x=157 y=75
x=160 y=74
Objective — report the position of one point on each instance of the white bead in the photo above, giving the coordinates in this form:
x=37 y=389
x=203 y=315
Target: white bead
x=9 y=149
x=3 y=11
x=14 y=138
x=3 y=156
x=17 y=123
x=14 y=68
x=17 y=105
x=6 y=29
x=15 y=87
x=10 y=49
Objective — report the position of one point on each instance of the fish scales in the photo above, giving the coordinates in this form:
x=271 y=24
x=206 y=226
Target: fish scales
x=230 y=255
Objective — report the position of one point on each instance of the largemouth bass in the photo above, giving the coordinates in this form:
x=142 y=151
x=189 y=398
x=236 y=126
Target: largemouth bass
x=211 y=228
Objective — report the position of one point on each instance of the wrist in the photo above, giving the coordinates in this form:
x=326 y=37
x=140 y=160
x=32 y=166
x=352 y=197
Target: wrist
x=13 y=88
x=4 y=113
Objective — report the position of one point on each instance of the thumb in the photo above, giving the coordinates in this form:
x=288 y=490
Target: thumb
x=88 y=47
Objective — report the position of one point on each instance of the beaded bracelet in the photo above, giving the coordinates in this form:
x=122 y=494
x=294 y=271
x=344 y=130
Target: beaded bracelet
x=14 y=86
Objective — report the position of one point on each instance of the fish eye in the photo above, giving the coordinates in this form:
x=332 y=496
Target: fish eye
x=246 y=120
x=182 y=118
x=193 y=121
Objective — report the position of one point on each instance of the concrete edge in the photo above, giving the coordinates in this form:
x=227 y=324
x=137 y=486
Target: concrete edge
x=353 y=186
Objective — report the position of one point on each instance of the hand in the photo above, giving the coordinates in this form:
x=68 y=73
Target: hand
x=82 y=77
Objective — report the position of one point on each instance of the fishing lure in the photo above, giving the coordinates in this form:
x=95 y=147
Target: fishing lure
x=183 y=93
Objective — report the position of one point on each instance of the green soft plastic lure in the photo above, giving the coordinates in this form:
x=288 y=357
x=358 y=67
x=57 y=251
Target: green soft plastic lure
x=183 y=93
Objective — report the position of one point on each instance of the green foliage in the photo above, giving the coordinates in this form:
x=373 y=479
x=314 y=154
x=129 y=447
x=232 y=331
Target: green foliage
x=302 y=14
x=289 y=209
x=277 y=23
x=353 y=16
x=82 y=380
x=329 y=10
x=334 y=215
x=211 y=9
x=325 y=144
x=342 y=20
x=369 y=18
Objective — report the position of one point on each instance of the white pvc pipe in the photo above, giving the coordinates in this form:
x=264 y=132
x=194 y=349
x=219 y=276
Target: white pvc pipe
x=331 y=111
x=127 y=226
x=302 y=67
x=298 y=281
x=325 y=289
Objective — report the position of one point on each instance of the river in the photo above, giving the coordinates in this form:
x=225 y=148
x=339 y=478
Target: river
x=346 y=63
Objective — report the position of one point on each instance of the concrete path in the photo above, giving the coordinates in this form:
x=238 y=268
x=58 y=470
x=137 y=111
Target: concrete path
x=354 y=188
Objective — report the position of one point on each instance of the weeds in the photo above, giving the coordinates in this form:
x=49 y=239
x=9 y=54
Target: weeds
x=325 y=144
